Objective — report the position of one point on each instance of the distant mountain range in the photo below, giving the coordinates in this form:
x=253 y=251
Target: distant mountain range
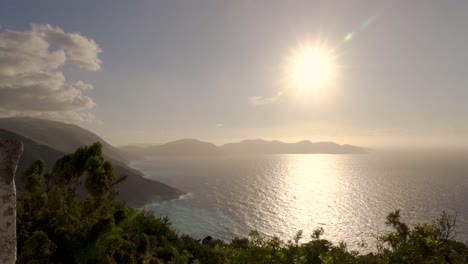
x=259 y=146
x=50 y=140
x=193 y=147
x=182 y=147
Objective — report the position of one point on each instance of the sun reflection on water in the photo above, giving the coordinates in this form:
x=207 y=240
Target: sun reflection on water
x=312 y=186
x=348 y=195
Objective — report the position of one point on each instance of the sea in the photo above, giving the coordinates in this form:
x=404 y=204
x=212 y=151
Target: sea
x=349 y=196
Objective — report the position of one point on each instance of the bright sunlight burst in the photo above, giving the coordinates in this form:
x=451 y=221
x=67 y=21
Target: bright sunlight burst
x=310 y=68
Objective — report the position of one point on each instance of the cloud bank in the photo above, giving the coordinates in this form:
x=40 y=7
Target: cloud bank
x=31 y=82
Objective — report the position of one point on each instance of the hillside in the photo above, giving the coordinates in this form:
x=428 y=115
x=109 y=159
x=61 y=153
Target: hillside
x=135 y=190
x=58 y=135
x=32 y=151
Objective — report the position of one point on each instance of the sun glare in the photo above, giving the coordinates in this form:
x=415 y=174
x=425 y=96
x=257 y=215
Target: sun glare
x=310 y=68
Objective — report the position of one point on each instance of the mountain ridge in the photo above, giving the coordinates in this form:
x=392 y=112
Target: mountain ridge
x=65 y=137
x=194 y=147
x=136 y=190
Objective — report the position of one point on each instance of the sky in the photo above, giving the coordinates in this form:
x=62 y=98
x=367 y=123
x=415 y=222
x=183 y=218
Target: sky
x=154 y=71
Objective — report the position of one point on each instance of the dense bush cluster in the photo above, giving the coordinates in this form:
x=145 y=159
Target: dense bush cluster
x=68 y=215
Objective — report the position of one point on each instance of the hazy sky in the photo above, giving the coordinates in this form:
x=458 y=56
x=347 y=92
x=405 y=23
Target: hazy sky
x=213 y=70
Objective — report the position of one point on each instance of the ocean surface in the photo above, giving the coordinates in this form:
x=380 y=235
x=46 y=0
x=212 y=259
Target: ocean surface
x=348 y=195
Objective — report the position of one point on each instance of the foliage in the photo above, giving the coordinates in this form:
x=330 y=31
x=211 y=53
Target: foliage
x=422 y=243
x=69 y=215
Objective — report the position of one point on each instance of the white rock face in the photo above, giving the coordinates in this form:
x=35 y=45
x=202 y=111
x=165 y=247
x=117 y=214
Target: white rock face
x=10 y=151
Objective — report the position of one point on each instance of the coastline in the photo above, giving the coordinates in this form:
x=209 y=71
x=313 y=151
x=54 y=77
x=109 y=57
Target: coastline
x=165 y=192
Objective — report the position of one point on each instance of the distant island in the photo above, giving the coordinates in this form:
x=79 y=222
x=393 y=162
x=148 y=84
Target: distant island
x=194 y=147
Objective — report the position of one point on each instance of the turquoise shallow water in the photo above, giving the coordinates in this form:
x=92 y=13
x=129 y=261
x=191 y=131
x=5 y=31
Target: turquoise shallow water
x=348 y=195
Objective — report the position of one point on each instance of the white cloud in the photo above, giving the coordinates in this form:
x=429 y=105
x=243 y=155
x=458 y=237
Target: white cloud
x=31 y=82
x=261 y=100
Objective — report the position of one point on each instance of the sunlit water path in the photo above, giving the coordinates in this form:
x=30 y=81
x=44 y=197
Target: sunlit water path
x=348 y=195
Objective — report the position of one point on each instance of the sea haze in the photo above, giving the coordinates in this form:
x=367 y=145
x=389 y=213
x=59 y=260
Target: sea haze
x=348 y=195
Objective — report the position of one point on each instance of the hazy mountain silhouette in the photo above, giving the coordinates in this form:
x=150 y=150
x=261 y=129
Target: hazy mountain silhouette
x=135 y=152
x=259 y=146
x=181 y=147
x=135 y=190
x=193 y=147
x=184 y=147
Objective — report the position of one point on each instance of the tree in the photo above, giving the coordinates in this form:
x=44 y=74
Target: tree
x=422 y=243
x=69 y=215
x=61 y=210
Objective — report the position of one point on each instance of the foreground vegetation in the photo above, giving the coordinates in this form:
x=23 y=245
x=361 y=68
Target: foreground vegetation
x=69 y=215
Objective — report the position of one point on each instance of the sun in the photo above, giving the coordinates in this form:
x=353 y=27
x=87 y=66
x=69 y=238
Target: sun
x=310 y=68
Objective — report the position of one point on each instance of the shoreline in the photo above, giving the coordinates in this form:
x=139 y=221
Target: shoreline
x=154 y=197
